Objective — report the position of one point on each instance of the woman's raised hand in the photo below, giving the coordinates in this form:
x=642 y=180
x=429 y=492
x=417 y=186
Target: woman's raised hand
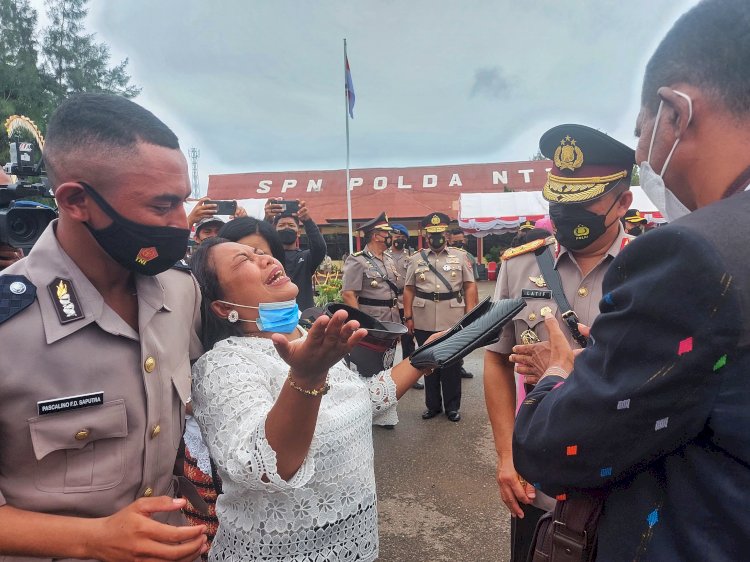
x=327 y=341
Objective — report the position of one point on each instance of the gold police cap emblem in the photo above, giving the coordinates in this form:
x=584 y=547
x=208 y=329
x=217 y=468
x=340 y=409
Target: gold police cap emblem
x=435 y=219
x=568 y=156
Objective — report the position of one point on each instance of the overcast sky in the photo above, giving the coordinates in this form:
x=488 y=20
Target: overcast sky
x=259 y=85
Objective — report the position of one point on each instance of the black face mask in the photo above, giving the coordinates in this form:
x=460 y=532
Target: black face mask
x=636 y=230
x=141 y=248
x=436 y=241
x=575 y=227
x=399 y=244
x=287 y=236
x=388 y=241
x=458 y=244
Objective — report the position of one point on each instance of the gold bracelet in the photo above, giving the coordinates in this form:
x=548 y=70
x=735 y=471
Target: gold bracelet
x=323 y=390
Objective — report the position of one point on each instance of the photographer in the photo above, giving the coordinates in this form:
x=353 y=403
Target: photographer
x=205 y=209
x=300 y=265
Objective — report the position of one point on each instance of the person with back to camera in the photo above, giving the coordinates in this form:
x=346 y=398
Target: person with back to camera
x=287 y=423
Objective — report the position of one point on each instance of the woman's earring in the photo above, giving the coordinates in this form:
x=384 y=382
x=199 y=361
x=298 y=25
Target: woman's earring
x=233 y=316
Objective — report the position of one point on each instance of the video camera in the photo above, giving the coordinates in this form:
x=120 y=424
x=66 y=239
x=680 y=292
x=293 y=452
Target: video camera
x=22 y=221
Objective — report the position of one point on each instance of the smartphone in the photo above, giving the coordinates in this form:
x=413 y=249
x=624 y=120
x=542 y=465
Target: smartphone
x=224 y=207
x=288 y=207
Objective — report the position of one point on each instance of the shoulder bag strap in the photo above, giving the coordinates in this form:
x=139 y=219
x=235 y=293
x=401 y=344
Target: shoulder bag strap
x=552 y=277
x=383 y=275
x=436 y=272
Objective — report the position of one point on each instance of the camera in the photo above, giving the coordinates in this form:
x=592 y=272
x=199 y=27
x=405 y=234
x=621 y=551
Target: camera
x=22 y=221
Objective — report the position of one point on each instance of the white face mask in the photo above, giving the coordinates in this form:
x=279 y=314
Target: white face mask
x=652 y=183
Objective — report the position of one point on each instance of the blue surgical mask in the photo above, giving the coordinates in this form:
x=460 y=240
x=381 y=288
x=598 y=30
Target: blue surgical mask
x=279 y=317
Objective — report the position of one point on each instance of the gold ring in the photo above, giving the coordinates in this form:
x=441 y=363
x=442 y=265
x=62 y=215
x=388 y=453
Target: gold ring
x=522 y=481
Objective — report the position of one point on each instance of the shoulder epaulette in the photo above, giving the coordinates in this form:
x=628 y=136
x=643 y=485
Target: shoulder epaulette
x=16 y=294
x=357 y=254
x=523 y=249
x=459 y=249
x=182 y=265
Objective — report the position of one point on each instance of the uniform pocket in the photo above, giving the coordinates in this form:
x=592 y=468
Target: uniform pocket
x=419 y=302
x=456 y=304
x=81 y=450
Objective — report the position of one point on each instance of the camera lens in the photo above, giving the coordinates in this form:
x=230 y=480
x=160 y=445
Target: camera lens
x=23 y=226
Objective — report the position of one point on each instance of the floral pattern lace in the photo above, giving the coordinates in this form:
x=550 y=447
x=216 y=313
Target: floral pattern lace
x=327 y=510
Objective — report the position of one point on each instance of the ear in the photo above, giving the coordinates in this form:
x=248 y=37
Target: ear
x=624 y=203
x=680 y=107
x=220 y=309
x=72 y=201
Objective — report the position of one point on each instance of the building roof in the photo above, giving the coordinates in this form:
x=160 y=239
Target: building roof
x=403 y=193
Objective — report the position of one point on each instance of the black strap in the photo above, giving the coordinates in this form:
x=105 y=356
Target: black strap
x=377 y=302
x=552 y=277
x=436 y=272
x=215 y=478
x=383 y=276
x=437 y=296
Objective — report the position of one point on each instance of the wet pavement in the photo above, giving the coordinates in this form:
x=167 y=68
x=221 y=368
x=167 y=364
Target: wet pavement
x=438 y=499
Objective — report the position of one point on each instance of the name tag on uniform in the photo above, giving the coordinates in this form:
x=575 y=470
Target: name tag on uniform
x=535 y=294
x=55 y=405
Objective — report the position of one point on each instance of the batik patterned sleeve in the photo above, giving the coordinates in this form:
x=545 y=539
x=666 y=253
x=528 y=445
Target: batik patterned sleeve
x=647 y=382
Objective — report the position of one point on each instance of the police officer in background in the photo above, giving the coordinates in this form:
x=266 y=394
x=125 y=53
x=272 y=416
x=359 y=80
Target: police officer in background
x=96 y=336
x=439 y=290
x=370 y=279
x=588 y=190
x=458 y=240
x=634 y=222
x=401 y=254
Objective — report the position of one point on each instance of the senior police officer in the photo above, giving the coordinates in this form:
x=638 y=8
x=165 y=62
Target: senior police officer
x=634 y=222
x=439 y=290
x=588 y=194
x=370 y=279
x=96 y=336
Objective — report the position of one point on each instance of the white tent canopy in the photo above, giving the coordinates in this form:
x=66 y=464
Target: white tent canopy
x=495 y=213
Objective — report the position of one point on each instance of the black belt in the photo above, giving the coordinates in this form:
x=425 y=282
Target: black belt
x=437 y=296
x=390 y=303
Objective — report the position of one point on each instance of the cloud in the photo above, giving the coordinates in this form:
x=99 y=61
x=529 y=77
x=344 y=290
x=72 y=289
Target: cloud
x=490 y=82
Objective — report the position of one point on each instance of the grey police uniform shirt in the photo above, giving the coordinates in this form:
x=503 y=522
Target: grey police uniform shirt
x=121 y=445
x=583 y=293
x=360 y=275
x=452 y=263
x=401 y=261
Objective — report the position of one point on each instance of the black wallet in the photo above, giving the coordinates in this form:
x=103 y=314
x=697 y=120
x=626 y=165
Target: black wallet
x=478 y=328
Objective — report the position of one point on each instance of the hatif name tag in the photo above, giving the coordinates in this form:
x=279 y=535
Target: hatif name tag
x=55 y=405
x=65 y=299
x=535 y=294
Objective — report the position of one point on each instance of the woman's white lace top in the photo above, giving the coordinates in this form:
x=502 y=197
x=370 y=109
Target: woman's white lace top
x=327 y=510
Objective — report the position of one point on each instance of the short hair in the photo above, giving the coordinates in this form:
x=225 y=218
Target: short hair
x=456 y=231
x=240 y=227
x=101 y=122
x=709 y=48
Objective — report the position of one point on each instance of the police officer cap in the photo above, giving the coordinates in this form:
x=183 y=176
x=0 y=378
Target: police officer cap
x=526 y=225
x=401 y=229
x=435 y=222
x=378 y=223
x=587 y=164
x=632 y=215
x=208 y=220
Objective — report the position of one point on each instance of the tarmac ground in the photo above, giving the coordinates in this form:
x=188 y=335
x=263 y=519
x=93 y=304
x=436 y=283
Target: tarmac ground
x=437 y=495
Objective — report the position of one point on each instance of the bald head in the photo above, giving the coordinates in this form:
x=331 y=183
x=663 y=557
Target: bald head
x=93 y=136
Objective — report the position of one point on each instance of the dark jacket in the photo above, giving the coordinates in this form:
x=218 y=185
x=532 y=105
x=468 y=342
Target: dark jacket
x=656 y=413
x=301 y=264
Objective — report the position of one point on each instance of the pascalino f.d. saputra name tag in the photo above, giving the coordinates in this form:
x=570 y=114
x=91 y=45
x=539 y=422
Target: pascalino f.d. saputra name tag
x=535 y=294
x=68 y=403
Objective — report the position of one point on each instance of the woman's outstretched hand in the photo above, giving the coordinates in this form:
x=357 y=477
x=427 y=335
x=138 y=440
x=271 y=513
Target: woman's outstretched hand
x=327 y=341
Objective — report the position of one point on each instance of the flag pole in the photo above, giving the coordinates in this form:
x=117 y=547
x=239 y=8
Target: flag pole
x=348 y=191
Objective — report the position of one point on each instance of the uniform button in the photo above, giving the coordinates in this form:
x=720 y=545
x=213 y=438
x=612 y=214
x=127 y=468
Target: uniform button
x=82 y=434
x=532 y=316
x=148 y=492
x=156 y=431
x=149 y=364
x=545 y=311
x=583 y=291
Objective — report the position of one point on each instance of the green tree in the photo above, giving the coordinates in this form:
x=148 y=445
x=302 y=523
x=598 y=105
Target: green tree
x=635 y=179
x=74 y=61
x=21 y=82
